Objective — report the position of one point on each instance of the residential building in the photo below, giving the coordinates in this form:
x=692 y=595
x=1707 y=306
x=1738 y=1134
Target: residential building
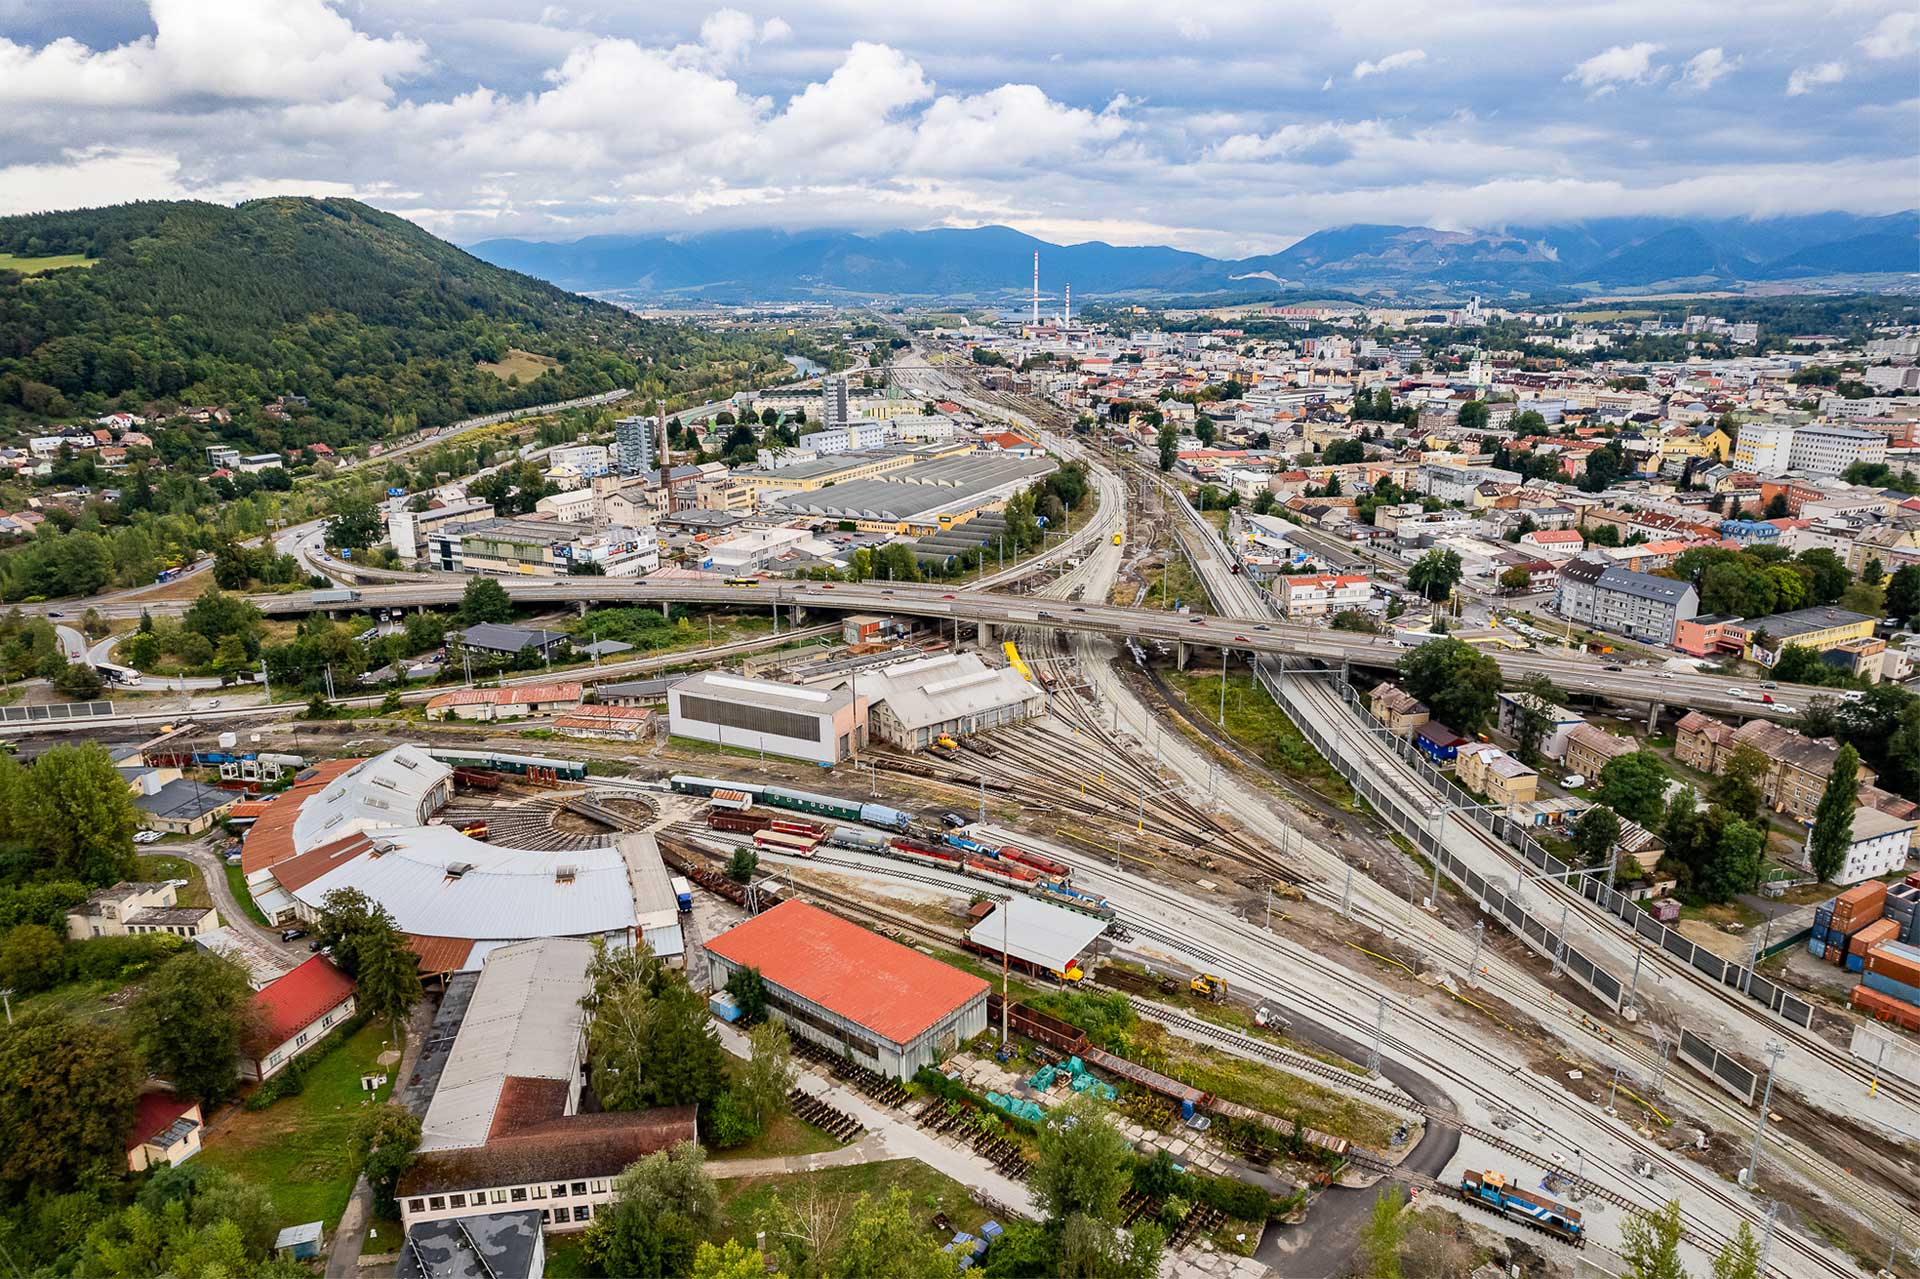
x=1437 y=742
x=295 y=1012
x=184 y=806
x=1826 y=449
x=1321 y=594
x=613 y=723
x=1555 y=543
x=1819 y=629
x=1589 y=748
x=1558 y=722
x=1637 y=605
x=1460 y=481
x=166 y=1131
x=515 y=701
x=524 y=547
x=585 y=460
x=1763 y=448
x=913 y=703
x=1502 y=778
x=499 y=640
x=133 y=910
x=1878 y=845
x=1798 y=766
x=633 y=445
x=834 y=406
x=821 y=726
x=1398 y=709
x=904 y=1011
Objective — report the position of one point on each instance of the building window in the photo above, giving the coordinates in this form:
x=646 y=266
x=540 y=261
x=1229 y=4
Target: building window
x=539 y=1192
x=437 y=1203
x=560 y=1190
x=519 y=1194
x=300 y=1040
x=456 y=1201
x=498 y=1196
x=583 y=1212
x=416 y=1205
x=599 y=1187
x=579 y=1187
x=546 y=1216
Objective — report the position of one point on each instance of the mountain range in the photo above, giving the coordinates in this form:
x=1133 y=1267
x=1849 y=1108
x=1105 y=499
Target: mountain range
x=996 y=262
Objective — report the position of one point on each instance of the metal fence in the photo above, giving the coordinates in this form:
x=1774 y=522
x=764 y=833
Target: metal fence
x=62 y=710
x=1717 y=1066
x=1412 y=821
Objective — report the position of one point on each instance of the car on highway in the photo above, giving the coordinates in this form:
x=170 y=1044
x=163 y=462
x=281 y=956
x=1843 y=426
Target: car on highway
x=1078 y=609
x=1263 y=627
x=1243 y=639
x=1736 y=692
x=1769 y=684
x=1612 y=668
x=947 y=597
x=1199 y=621
x=55 y=613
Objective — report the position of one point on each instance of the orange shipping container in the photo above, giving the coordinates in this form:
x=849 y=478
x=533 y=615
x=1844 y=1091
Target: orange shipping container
x=1891 y=959
x=1886 y=1008
x=1873 y=934
x=1859 y=906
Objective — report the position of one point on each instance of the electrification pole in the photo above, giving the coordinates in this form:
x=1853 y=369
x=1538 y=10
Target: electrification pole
x=1774 y=1053
x=1379 y=1027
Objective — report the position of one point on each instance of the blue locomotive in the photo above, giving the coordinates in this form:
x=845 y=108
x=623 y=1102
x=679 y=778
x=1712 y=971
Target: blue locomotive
x=1492 y=1190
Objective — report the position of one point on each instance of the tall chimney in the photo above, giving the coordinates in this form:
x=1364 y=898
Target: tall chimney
x=1036 y=288
x=1066 y=316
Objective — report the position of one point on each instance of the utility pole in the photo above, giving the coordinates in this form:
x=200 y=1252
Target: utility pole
x=1873 y=1084
x=1560 y=951
x=1433 y=892
x=1223 y=687
x=265 y=682
x=1766 y=1239
x=1346 y=895
x=1379 y=1027
x=1660 y=1069
x=1634 y=986
x=983 y=797
x=1774 y=1053
x=1473 y=969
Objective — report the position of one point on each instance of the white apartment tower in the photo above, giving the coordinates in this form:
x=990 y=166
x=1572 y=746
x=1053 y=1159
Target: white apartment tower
x=633 y=444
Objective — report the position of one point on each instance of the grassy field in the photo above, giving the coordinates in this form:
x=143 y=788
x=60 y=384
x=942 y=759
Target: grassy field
x=39 y=266
x=744 y=1199
x=784 y=1136
x=101 y=1000
x=1278 y=1093
x=522 y=364
x=1167 y=588
x=300 y=1148
x=237 y=881
x=1255 y=720
x=162 y=866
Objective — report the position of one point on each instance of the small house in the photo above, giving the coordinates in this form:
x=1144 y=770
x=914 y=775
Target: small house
x=1438 y=742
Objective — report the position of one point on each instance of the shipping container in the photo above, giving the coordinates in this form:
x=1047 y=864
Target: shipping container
x=723 y=1007
x=1859 y=906
x=1823 y=915
x=1905 y=992
x=1817 y=947
x=1913 y=880
x=1897 y=960
x=1872 y=935
x=1856 y=963
x=1833 y=953
x=1818 y=936
x=1883 y=1007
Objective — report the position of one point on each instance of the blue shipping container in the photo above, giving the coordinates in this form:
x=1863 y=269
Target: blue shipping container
x=1816 y=947
x=1856 y=963
x=1888 y=986
x=723 y=1007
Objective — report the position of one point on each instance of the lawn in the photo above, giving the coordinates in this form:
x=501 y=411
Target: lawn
x=300 y=1147
x=1167 y=587
x=524 y=365
x=1278 y=1093
x=237 y=881
x=39 y=266
x=784 y=1136
x=744 y=1199
x=1255 y=720
x=162 y=866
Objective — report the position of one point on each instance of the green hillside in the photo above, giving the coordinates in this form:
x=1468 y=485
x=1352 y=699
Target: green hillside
x=381 y=326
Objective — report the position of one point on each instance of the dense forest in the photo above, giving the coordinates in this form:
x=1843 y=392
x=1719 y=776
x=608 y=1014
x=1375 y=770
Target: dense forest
x=381 y=327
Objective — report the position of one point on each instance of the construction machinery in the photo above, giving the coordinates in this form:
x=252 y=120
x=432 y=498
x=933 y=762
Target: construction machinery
x=1208 y=986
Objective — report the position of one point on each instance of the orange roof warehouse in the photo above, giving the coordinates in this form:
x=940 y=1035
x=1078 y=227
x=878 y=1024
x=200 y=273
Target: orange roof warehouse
x=842 y=987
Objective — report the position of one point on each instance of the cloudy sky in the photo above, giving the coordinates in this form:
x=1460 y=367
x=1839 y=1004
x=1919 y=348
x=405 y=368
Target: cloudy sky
x=1226 y=127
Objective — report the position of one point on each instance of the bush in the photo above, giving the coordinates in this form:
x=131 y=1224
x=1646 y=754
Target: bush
x=728 y=1123
x=30 y=958
x=109 y=958
x=1236 y=1199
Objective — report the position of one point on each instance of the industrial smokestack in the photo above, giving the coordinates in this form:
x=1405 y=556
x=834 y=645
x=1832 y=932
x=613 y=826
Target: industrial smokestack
x=1036 y=288
x=1066 y=316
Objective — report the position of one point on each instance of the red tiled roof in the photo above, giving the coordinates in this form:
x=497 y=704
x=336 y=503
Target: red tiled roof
x=881 y=985
x=155 y=1111
x=270 y=841
x=289 y=1004
x=297 y=872
x=513 y=696
x=525 y=1103
x=440 y=954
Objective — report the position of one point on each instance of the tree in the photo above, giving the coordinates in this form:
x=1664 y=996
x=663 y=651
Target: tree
x=1473 y=415
x=1083 y=1165
x=1435 y=574
x=384 y=1140
x=1596 y=835
x=1353 y=619
x=749 y=991
x=1516 y=579
x=389 y=976
x=356 y=522
x=1737 y=789
x=485 y=600
x=1776 y=508
x=1380 y=1237
x=80 y=682
x=1729 y=856
x=662 y=1206
x=1830 y=574
x=1651 y=1243
x=1832 y=833
x=193 y=1016
x=742 y=865
x=68 y=1089
x=763 y=1084
x=1903 y=594
x=732 y=1260
x=1531 y=719
x=1458 y=682
x=72 y=808
x=651 y=1042
x=1740 y=1258
x=1634 y=785
x=31 y=958
x=1168 y=442
x=882 y=1241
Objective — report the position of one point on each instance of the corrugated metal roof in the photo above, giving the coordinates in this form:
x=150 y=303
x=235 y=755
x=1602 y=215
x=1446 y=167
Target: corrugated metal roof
x=1037 y=932
x=524 y=1022
x=892 y=991
x=935 y=690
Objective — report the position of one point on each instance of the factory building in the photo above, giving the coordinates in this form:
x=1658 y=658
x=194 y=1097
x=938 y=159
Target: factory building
x=913 y=703
x=830 y=981
x=821 y=726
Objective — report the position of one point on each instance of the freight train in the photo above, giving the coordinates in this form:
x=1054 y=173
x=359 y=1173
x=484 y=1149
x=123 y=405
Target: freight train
x=962 y=856
x=1492 y=1190
x=799 y=801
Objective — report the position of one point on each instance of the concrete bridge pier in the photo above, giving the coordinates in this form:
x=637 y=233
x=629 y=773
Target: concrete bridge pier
x=1653 y=716
x=582 y=606
x=1180 y=655
x=666 y=609
x=983 y=635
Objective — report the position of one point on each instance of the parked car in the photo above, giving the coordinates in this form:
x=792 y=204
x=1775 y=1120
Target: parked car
x=1573 y=781
x=146 y=836
x=292 y=934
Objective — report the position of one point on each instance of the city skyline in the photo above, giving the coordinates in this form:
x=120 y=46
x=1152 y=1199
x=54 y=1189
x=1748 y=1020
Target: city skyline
x=1237 y=132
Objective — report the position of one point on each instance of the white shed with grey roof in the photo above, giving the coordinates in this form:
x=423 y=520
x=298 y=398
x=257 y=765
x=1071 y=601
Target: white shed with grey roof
x=788 y=720
x=1036 y=933
x=955 y=693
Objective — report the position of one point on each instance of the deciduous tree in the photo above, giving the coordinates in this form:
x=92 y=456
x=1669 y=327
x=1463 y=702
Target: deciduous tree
x=662 y=1206
x=1634 y=785
x=1651 y=1243
x=193 y=1016
x=882 y=1241
x=1381 y=1235
x=1458 y=682
x=73 y=809
x=485 y=600
x=385 y=1139
x=67 y=1095
x=1832 y=833
x=1595 y=835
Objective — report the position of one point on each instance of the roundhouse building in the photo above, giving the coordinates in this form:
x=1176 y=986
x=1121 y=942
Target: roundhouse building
x=848 y=989
x=816 y=725
x=956 y=693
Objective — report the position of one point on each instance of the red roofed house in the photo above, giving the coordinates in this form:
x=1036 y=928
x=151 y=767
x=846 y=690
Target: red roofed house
x=166 y=1130
x=1012 y=445
x=1318 y=594
x=296 y=1012
x=505 y=703
x=847 y=989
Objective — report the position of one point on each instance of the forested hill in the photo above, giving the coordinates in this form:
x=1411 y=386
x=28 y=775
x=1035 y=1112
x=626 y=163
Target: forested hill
x=381 y=326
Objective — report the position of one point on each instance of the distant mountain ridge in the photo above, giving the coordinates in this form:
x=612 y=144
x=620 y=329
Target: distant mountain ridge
x=995 y=262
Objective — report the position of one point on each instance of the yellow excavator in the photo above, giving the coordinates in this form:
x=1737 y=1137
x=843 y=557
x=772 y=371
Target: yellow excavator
x=1208 y=986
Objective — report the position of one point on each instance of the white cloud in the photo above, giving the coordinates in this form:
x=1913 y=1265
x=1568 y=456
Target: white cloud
x=1807 y=79
x=1392 y=62
x=290 y=51
x=1706 y=67
x=1897 y=36
x=1621 y=64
